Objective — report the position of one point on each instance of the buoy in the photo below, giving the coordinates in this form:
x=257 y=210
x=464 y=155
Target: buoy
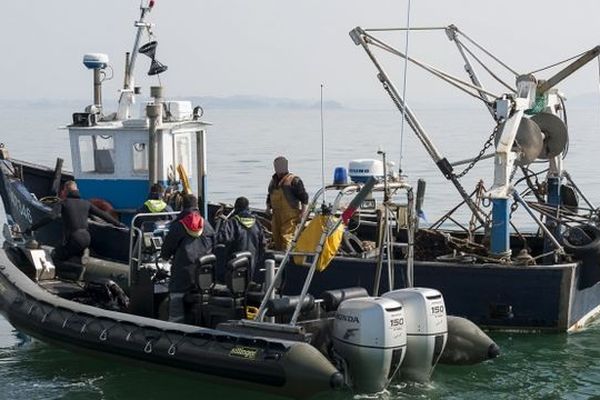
x=467 y=344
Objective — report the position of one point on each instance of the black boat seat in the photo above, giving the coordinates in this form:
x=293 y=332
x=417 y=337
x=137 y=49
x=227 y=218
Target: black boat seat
x=287 y=304
x=205 y=272
x=237 y=274
x=333 y=298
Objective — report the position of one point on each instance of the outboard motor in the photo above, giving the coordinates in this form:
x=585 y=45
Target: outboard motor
x=369 y=335
x=426 y=330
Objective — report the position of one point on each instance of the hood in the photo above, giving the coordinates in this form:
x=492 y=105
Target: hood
x=246 y=220
x=193 y=223
x=155 y=205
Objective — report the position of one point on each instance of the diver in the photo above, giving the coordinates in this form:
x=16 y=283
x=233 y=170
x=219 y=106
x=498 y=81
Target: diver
x=286 y=200
x=242 y=232
x=74 y=212
x=189 y=238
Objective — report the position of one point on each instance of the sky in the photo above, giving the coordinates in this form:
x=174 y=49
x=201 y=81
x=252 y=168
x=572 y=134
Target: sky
x=278 y=48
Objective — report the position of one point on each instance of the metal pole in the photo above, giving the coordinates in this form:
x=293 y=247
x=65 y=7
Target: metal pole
x=380 y=241
x=201 y=170
x=98 y=87
x=141 y=25
x=153 y=111
x=543 y=227
x=269 y=280
x=412 y=225
x=389 y=250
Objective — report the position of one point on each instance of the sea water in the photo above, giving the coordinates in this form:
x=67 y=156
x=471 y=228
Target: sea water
x=241 y=147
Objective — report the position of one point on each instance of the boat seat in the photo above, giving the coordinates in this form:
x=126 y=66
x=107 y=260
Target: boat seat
x=333 y=298
x=236 y=277
x=287 y=304
x=205 y=273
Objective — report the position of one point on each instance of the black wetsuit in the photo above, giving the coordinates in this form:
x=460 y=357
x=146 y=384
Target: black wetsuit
x=74 y=212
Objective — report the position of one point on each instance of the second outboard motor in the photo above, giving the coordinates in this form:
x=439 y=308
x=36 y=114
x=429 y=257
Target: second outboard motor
x=369 y=335
x=426 y=330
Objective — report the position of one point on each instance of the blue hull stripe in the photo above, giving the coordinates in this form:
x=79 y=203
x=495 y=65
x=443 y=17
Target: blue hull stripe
x=120 y=193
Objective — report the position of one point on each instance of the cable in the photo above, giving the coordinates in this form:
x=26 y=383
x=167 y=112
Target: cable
x=404 y=87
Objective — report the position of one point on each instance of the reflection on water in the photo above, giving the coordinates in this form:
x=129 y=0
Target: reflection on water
x=242 y=145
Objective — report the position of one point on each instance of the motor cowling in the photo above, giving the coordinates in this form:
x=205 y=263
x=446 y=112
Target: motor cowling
x=426 y=330
x=369 y=336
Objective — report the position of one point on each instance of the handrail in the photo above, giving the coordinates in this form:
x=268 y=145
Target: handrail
x=135 y=231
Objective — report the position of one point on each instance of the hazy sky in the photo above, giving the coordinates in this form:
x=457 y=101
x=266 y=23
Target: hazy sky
x=277 y=48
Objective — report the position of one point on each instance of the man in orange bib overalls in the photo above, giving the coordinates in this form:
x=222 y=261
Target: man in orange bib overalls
x=287 y=200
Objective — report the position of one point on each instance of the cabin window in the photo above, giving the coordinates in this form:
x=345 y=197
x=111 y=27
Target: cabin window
x=140 y=157
x=183 y=152
x=96 y=154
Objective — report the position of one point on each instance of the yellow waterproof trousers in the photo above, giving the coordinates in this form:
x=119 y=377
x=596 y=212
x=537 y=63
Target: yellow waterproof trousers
x=284 y=220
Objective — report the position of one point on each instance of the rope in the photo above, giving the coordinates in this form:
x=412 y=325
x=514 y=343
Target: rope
x=487 y=69
x=557 y=63
x=487 y=52
x=454 y=81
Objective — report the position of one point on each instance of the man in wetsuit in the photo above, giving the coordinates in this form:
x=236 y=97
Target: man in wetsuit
x=189 y=238
x=74 y=212
x=287 y=200
x=242 y=232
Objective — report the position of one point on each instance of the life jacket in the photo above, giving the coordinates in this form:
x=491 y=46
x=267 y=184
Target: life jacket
x=155 y=205
x=193 y=224
x=285 y=185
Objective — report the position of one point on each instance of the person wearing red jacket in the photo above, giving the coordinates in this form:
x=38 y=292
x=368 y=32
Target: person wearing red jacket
x=189 y=238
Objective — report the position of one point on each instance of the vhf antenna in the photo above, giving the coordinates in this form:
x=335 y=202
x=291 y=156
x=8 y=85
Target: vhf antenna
x=322 y=151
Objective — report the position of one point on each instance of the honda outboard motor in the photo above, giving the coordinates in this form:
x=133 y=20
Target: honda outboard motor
x=426 y=330
x=369 y=336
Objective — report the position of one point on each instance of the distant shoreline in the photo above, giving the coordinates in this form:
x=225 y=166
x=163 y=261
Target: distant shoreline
x=248 y=102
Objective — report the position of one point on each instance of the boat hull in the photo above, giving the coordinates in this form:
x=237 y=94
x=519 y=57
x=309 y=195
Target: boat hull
x=494 y=296
x=293 y=369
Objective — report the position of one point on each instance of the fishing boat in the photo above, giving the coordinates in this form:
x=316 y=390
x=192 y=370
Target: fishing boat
x=113 y=300
x=491 y=269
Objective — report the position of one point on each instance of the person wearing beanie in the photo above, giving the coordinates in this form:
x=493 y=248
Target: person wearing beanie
x=190 y=237
x=242 y=232
x=286 y=200
x=155 y=202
